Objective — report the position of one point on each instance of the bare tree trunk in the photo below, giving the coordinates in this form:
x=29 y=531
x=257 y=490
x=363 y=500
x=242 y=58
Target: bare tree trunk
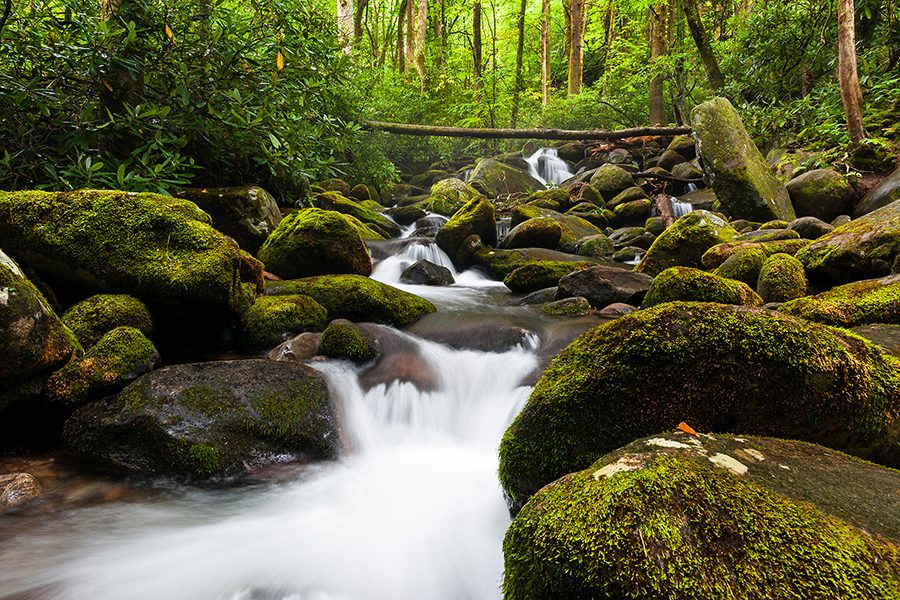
x=359 y=11
x=422 y=26
x=401 y=18
x=410 y=36
x=476 y=45
x=677 y=29
x=520 y=46
x=710 y=64
x=657 y=49
x=545 y=52
x=440 y=27
x=851 y=94
x=345 y=24
x=576 y=46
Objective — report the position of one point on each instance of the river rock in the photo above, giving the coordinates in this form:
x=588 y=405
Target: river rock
x=357 y=298
x=596 y=245
x=406 y=215
x=448 y=196
x=34 y=340
x=683 y=145
x=684 y=243
x=810 y=228
x=573 y=228
x=852 y=304
x=93 y=317
x=475 y=218
x=736 y=170
x=273 y=319
x=18 y=489
x=345 y=339
x=539 y=232
x=610 y=180
x=862 y=249
x=540 y=275
x=718 y=254
x=885 y=336
x=743 y=265
x=695 y=516
x=493 y=178
x=694 y=285
x=299 y=348
x=647 y=371
x=500 y=262
x=568 y=307
x=627 y=195
x=154 y=247
x=781 y=278
x=425 y=272
x=821 y=193
x=209 y=419
x=603 y=285
x=367 y=213
x=884 y=193
x=246 y=213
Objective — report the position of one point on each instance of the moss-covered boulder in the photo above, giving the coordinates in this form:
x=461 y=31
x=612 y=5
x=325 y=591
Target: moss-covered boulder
x=540 y=232
x=335 y=185
x=715 y=256
x=596 y=245
x=540 y=275
x=150 y=246
x=448 y=196
x=884 y=193
x=476 y=217
x=861 y=249
x=573 y=228
x=500 y=262
x=567 y=307
x=781 y=278
x=718 y=367
x=246 y=213
x=610 y=180
x=406 y=215
x=365 y=214
x=603 y=285
x=810 y=228
x=744 y=265
x=677 y=516
x=737 y=171
x=635 y=211
x=429 y=177
x=494 y=178
x=357 y=298
x=852 y=304
x=91 y=318
x=821 y=193
x=208 y=419
x=694 y=285
x=315 y=242
x=345 y=339
x=685 y=242
x=628 y=195
x=273 y=319
x=34 y=340
x=120 y=356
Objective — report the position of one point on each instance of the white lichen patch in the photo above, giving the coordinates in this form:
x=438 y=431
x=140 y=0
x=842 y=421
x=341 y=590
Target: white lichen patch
x=728 y=462
x=10 y=264
x=740 y=440
x=755 y=454
x=785 y=467
x=664 y=443
x=4 y=296
x=629 y=462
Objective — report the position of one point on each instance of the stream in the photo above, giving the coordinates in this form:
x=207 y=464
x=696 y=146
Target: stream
x=412 y=510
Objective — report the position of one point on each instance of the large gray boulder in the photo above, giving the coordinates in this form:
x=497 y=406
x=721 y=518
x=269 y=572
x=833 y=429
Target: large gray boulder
x=604 y=285
x=246 y=213
x=737 y=171
x=494 y=178
x=881 y=195
x=821 y=193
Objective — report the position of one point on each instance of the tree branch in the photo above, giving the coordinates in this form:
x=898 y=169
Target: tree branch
x=540 y=134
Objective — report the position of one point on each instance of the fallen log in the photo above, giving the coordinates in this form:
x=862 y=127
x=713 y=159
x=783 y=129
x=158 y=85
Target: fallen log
x=538 y=134
x=663 y=204
x=665 y=177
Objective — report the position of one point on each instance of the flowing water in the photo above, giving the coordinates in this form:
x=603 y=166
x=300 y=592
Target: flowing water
x=546 y=166
x=412 y=510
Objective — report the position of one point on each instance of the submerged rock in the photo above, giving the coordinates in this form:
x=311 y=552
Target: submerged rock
x=18 y=489
x=425 y=272
x=209 y=419
x=649 y=370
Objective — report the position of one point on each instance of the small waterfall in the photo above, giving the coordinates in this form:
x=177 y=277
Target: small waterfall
x=681 y=208
x=547 y=167
x=388 y=269
x=503 y=226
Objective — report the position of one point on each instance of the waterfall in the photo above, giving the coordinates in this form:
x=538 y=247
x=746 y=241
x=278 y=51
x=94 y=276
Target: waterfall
x=503 y=227
x=412 y=511
x=681 y=208
x=547 y=167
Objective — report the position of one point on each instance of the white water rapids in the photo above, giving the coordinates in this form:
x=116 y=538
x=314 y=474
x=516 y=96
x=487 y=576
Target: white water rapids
x=413 y=510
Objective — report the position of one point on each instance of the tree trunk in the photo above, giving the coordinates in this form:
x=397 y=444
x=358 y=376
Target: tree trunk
x=401 y=19
x=657 y=49
x=520 y=46
x=663 y=203
x=576 y=46
x=476 y=45
x=524 y=134
x=545 y=52
x=710 y=64
x=851 y=94
x=422 y=26
x=678 y=105
x=345 y=24
x=410 y=36
x=358 y=19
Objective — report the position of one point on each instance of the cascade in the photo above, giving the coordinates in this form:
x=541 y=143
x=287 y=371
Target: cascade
x=546 y=166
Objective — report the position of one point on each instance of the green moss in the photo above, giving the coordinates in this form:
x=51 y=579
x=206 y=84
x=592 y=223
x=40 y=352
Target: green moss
x=852 y=304
x=365 y=232
x=344 y=339
x=635 y=211
x=775 y=224
x=335 y=201
x=684 y=243
x=476 y=217
x=628 y=195
x=202 y=459
x=718 y=367
x=573 y=228
x=93 y=317
x=539 y=275
x=781 y=278
x=540 y=232
x=611 y=179
x=568 y=307
x=142 y=243
x=687 y=284
x=744 y=265
x=357 y=298
x=206 y=400
x=273 y=319
x=677 y=528
x=718 y=254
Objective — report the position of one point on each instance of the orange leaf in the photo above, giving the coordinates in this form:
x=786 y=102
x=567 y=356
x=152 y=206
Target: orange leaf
x=279 y=61
x=169 y=33
x=686 y=428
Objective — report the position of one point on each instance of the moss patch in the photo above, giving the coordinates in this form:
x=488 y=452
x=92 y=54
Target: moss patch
x=344 y=339
x=781 y=278
x=682 y=244
x=718 y=254
x=858 y=303
x=90 y=319
x=273 y=319
x=685 y=283
x=540 y=275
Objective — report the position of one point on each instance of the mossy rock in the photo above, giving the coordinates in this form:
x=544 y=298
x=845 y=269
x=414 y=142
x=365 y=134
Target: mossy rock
x=315 y=242
x=718 y=367
x=120 y=356
x=635 y=211
x=90 y=241
x=821 y=193
x=91 y=318
x=448 y=196
x=357 y=298
x=567 y=307
x=738 y=173
x=429 y=177
x=666 y=518
x=627 y=195
x=718 y=254
x=494 y=178
x=35 y=341
x=558 y=195
x=810 y=228
x=366 y=214
x=365 y=232
x=694 y=285
x=595 y=246
x=345 y=339
x=246 y=213
x=781 y=278
x=743 y=265
x=852 y=304
x=500 y=263
x=206 y=420
x=770 y=235
x=540 y=232
x=573 y=228
x=683 y=145
x=273 y=319
x=335 y=185
x=540 y=275
x=611 y=179
x=406 y=215
x=864 y=248
x=881 y=195
x=476 y=217
x=685 y=242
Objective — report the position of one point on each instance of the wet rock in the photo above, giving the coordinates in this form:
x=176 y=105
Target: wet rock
x=595 y=246
x=18 y=489
x=568 y=307
x=493 y=178
x=273 y=319
x=425 y=272
x=405 y=215
x=298 y=349
x=345 y=339
x=367 y=213
x=246 y=213
x=500 y=262
x=694 y=285
x=629 y=254
x=684 y=243
x=539 y=297
x=603 y=285
x=820 y=193
x=883 y=194
x=886 y=337
x=475 y=218
x=573 y=228
x=540 y=275
x=539 y=232
x=616 y=310
x=810 y=228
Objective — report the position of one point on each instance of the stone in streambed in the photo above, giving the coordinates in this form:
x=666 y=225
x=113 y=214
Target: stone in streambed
x=684 y=243
x=540 y=275
x=781 y=278
x=425 y=272
x=852 y=304
x=539 y=232
x=345 y=339
x=334 y=201
x=18 y=489
x=743 y=265
x=476 y=217
x=694 y=285
x=821 y=193
x=273 y=319
x=246 y=213
x=493 y=178
x=93 y=317
x=884 y=193
x=810 y=228
x=718 y=254
x=568 y=307
x=603 y=285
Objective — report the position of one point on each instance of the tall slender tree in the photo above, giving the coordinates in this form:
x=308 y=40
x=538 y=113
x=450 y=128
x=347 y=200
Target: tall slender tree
x=576 y=46
x=476 y=46
x=345 y=24
x=520 y=46
x=545 y=52
x=851 y=94
x=421 y=29
x=657 y=14
x=701 y=39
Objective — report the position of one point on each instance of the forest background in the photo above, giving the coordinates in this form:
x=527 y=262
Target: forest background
x=159 y=94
